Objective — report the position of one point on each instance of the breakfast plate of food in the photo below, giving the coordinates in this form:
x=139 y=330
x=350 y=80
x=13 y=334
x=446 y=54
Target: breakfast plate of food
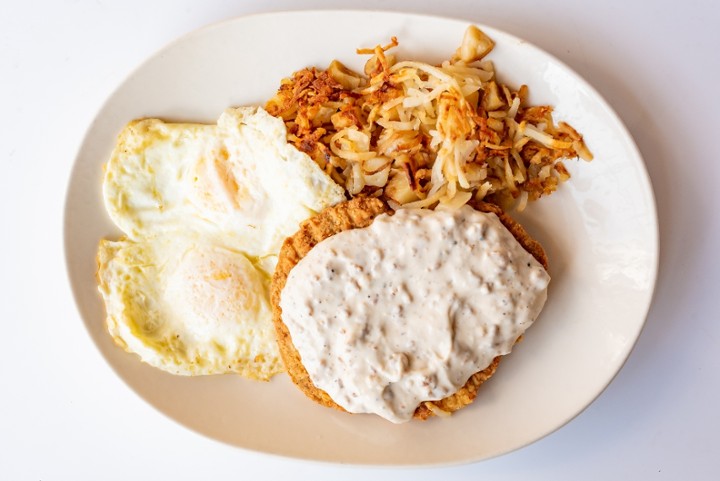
x=393 y=240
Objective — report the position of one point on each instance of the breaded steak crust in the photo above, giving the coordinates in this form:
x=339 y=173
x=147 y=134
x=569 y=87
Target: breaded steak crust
x=356 y=214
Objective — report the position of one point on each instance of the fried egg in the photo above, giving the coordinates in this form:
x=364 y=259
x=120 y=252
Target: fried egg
x=204 y=209
x=187 y=307
x=238 y=182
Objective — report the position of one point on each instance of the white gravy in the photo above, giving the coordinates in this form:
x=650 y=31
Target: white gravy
x=407 y=309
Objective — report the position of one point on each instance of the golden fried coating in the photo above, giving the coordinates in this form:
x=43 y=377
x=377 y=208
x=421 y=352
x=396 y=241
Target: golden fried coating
x=356 y=214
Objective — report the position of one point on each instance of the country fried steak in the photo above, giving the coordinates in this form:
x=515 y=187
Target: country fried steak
x=355 y=214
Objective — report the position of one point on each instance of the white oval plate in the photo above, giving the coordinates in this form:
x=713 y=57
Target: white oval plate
x=599 y=230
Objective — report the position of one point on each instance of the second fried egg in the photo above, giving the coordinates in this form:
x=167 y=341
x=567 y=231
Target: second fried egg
x=188 y=307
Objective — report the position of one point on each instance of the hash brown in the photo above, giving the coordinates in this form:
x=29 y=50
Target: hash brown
x=355 y=214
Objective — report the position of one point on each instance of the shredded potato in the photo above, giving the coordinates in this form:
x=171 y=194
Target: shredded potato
x=419 y=135
x=435 y=409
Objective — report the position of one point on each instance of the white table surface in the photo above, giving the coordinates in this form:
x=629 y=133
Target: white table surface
x=65 y=415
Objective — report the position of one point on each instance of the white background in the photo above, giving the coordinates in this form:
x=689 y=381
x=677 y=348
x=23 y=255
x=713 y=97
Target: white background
x=65 y=415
